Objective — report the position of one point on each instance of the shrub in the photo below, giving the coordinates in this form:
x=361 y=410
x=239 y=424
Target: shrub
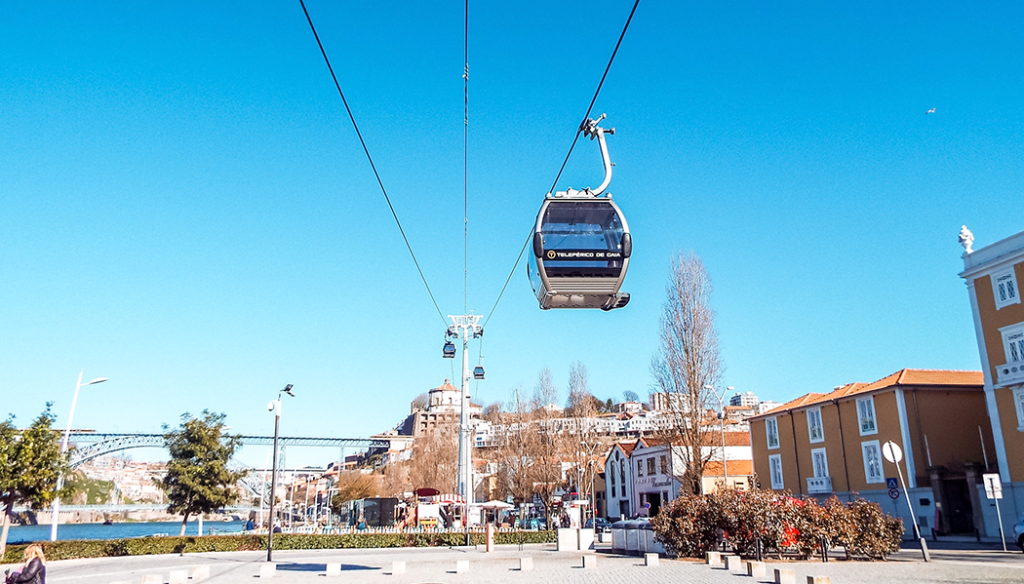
x=689 y=525
x=76 y=549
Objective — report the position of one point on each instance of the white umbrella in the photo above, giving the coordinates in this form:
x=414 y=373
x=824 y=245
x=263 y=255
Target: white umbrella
x=496 y=504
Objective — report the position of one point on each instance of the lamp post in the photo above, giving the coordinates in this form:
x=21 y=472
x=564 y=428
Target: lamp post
x=721 y=409
x=275 y=406
x=64 y=448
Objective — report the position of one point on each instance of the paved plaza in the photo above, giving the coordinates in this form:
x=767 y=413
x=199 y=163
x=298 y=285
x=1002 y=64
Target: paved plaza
x=438 y=565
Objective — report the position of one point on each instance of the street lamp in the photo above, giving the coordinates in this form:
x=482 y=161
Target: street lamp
x=721 y=407
x=275 y=406
x=64 y=448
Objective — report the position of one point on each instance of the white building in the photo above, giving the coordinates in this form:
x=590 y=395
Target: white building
x=746 y=399
x=618 y=480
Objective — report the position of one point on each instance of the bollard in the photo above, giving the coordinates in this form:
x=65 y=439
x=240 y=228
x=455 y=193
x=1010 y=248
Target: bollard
x=266 y=570
x=589 y=561
x=714 y=559
x=333 y=569
x=178 y=576
x=397 y=568
x=733 y=563
x=785 y=576
x=819 y=580
x=461 y=566
x=756 y=569
x=651 y=560
x=152 y=579
x=200 y=573
x=525 y=564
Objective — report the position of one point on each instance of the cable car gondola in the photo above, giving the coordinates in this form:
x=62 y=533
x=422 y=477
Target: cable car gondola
x=478 y=372
x=581 y=244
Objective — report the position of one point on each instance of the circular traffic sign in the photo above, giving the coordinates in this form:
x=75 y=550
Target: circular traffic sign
x=892 y=452
x=894 y=494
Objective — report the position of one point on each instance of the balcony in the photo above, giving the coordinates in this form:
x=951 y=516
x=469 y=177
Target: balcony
x=1009 y=373
x=819 y=485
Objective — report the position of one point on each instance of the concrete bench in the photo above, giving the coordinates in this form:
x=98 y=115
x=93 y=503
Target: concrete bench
x=399 y=568
x=333 y=569
x=756 y=569
x=714 y=559
x=651 y=560
x=783 y=576
x=525 y=564
x=733 y=563
x=819 y=580
x=268 y=570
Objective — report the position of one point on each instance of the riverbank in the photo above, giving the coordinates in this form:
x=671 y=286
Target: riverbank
x=120 y=530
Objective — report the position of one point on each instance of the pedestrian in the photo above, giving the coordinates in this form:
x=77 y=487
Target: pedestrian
x=361 y=525
x=277 y=527
x=34 y=571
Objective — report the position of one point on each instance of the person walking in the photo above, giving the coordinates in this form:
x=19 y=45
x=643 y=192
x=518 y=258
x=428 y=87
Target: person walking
x=34 y=571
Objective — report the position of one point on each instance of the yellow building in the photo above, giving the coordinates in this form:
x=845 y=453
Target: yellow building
x=993 y=275
x=822 y=444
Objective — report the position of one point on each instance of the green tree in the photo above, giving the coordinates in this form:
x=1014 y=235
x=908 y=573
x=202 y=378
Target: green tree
x=198 y=479
x=30 y=464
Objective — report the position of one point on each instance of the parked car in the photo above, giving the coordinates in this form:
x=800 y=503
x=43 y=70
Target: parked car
x=600 y=525
x=1018 y=533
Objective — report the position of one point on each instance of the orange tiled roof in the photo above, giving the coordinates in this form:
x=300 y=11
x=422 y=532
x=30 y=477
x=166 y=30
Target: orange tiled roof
x=735 y=467
x=903 y=377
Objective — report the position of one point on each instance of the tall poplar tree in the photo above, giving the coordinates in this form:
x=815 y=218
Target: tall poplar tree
x=198 y=479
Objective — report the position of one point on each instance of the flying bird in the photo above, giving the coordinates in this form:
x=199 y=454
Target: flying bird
x=931 y=111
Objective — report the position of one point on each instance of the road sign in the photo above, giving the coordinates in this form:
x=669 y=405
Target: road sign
x=894 y=494
x=993 y=485
x=892 y=452
x=890 y=483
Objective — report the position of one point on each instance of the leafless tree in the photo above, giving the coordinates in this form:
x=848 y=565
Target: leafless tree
x=514 y=452
x=582 y=441
x=686 y=363
x=434 y=462
x=547 y=442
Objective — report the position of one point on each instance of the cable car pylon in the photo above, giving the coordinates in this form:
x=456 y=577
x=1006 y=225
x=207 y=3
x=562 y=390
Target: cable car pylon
x=464 y=327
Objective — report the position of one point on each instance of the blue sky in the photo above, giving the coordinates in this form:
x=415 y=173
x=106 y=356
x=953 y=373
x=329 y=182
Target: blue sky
x=185 y=208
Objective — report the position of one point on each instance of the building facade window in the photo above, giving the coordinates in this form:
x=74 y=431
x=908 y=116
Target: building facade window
x=819 y=462
x=775 y=465
x=771 y=426
x=639 y=468
x=663 y=464
x=1013 y=343
x=1004 y=286
x=650 y=466
x=814 y=427
x=872 y=462
x=612 y=473
x=866 y=416
x=1018 y=402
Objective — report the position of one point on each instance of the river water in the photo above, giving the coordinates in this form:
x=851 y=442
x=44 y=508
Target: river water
x=27 y=533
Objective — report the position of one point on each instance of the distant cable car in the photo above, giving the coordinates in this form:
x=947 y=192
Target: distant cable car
x=581 y=244
x=448 y=352
x=478 y=372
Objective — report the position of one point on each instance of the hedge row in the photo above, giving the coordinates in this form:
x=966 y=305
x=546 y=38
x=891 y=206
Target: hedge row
x=780 y=524
x=144 y=546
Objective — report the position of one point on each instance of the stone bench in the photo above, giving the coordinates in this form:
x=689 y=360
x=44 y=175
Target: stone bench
x=756 y=569
x=589 y=561
x=733 y=563
x=785 y=576
x=714 y=559
x=200 y=573
x=461 y=566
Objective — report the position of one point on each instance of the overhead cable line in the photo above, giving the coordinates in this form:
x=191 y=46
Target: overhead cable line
x=579 y=130
x=465 y=174
x=370 y=159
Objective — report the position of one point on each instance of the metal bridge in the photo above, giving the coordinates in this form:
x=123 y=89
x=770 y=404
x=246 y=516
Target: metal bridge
x=93 y=444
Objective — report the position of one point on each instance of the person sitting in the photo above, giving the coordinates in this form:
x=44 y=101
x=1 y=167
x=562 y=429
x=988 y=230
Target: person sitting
x=34 y=571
